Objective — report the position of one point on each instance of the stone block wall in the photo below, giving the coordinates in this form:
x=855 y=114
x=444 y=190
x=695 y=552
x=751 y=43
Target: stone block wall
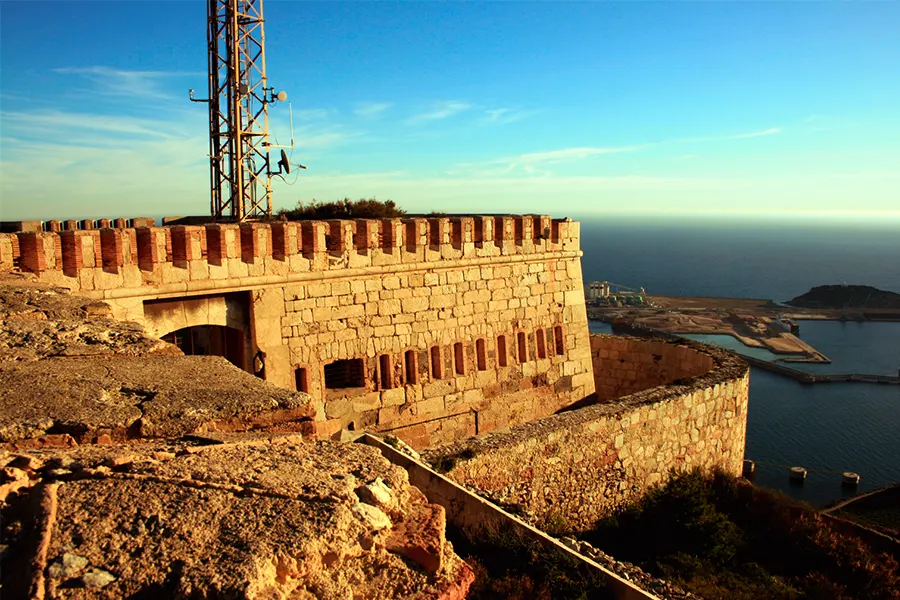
x=444 y=353
x=624 y=365
x=584 y=464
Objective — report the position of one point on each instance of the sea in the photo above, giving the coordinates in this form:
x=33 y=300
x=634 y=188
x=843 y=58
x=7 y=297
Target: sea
x=827 y=428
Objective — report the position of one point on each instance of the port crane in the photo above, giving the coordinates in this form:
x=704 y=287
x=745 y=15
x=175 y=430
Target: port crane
x=238 y=98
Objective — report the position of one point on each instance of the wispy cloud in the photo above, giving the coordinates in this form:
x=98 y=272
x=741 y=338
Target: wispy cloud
x=531 y=162
x=372 y=109
x=502 y=116
x=737 y=136
x=109 y=81
x=741 y=136
x=64 y=126
x=441 y=110
x=89 y=162
x=566 y=155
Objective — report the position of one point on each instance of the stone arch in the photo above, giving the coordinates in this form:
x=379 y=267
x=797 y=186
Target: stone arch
x=214 y=324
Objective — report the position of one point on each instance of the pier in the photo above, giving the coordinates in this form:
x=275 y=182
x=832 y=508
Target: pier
x=805 y=377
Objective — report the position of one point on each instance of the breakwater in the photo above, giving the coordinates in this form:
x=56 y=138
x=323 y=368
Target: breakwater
x=805 y=377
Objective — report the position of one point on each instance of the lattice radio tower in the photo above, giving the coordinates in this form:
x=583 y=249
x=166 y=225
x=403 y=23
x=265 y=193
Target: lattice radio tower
x=239 y=98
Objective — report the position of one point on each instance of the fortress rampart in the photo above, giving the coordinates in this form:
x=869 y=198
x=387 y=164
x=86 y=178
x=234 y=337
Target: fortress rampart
x=434 y=329
x=625 y=365
x=583 y=464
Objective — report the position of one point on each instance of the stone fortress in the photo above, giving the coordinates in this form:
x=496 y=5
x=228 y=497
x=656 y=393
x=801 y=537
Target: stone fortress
x=435 y=329
x=466 y=337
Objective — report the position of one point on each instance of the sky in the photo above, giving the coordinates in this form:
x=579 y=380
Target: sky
x=572 y=109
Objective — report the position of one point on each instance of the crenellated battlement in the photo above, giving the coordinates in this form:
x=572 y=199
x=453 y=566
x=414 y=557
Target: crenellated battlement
x=131 y=257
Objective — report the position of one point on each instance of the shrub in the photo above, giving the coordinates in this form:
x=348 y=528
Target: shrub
x=364 y=208
x=725 y=539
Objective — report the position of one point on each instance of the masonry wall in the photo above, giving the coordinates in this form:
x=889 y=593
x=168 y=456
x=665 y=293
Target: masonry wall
x=428 y=341
x=424 y=308
x=584 y=464
x=624 y=365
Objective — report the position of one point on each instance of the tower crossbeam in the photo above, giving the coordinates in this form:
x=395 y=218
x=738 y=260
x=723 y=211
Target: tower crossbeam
x=240 y=177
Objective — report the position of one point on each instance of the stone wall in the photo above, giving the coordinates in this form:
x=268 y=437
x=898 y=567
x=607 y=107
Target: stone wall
x=435 y=329
x=446 y=353
x=584 y=464
x=624 y=365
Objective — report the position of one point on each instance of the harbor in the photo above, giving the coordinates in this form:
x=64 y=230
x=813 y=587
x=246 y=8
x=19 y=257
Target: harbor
x=765 y=331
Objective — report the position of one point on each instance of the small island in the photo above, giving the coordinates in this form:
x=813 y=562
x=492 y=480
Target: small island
x=846 y=296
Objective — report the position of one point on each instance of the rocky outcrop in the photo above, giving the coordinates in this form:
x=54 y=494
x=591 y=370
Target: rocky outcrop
x=128 y=397
x=39 y=321
x=263 y=517
x=846 y=296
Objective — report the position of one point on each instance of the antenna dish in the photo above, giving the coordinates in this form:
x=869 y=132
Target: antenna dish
x=283 y=164
x=282 y=96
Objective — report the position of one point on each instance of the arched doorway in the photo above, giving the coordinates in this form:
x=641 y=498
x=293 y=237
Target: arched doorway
x=211 y=340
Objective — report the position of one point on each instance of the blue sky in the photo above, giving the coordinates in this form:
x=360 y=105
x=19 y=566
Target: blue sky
x=553 y=107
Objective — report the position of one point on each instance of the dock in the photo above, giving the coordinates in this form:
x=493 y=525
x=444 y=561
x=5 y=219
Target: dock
x=805 y=377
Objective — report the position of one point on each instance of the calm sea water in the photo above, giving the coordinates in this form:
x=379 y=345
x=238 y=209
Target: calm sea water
x=828 y=427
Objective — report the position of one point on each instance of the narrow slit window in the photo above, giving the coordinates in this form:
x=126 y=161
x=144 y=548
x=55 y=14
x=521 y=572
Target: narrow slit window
x=541 y=346
x=523 y=347
x=343 y=374
x=551 y=347
x=411 y=364
x=479 y=353
x=301 y=378
x=437 y=371
x=459 y=358
x=560 y=341
x=501 y=351
x=385 y=371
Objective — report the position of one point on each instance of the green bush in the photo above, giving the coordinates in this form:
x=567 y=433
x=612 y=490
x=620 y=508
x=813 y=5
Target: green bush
x=364 y=208
x=680 y=518
x=725 y=539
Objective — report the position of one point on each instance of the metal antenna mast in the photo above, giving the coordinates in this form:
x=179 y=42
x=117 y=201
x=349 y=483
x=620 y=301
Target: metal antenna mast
x=240 y=173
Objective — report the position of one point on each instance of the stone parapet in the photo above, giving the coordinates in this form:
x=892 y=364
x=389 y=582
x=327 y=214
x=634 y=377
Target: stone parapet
x=624 y=365
x=54 y=225
x=105 y=256
x=587 y=463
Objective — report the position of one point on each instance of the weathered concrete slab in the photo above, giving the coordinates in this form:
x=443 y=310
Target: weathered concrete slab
x=147 y=396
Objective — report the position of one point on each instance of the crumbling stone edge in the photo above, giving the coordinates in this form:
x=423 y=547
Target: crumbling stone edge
x=468 y=511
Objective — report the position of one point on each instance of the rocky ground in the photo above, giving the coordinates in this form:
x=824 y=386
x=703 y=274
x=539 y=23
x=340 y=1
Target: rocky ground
x=626 y=570
x=262 y=517
x=128 y=470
